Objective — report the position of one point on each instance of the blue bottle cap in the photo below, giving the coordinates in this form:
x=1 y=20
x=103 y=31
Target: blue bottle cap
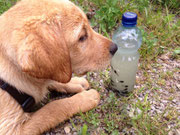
x=129 y=19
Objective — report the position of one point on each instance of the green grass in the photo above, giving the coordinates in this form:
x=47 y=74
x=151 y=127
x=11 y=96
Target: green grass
x=6 y=4
x=160 y=25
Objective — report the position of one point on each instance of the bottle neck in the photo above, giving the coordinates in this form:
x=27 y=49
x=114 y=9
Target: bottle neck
x=128 y=26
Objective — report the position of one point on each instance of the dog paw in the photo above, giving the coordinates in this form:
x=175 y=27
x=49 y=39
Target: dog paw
x=76 y=85
x=80 y=80
x=88 y=100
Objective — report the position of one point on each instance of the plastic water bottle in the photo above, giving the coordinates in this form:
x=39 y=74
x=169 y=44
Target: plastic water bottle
x=124 y=63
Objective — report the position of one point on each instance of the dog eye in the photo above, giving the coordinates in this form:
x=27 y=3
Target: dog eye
x=83 y=38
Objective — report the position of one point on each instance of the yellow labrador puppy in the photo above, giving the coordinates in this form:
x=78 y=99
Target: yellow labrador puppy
x=42 y=42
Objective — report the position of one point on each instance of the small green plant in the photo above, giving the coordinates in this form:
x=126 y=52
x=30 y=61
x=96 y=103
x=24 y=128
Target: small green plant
x=91 y=117
x=108 y=16
x=176 y=53
x=149 y=43
x=83 y=130
x=171 y=4
x=142 y=5
x=6 y=4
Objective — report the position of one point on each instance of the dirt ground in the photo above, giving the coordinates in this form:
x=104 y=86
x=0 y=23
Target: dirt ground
x=165 y=93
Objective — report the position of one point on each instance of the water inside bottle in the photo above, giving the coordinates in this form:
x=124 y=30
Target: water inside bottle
x=123 y=72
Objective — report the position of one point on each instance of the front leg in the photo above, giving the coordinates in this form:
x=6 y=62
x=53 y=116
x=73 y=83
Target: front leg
x=59 y=110
x=76 y=85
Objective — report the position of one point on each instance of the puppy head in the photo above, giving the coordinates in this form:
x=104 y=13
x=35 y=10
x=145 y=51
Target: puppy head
x=89 y=50
x=58 y=40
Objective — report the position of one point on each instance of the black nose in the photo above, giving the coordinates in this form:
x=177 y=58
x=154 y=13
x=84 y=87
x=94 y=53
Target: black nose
x=113 y=48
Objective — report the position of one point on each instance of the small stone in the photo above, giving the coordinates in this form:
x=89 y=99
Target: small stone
x=178 y=86
x=75 y=133
x=164 y=57
x=67 y=130
x=177 y=131
x=98 y=129
x=170 y=133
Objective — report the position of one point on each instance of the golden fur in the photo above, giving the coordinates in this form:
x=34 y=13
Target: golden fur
x=42 y=42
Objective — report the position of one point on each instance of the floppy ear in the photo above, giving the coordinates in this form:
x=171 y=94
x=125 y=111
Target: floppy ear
x=44 y=54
